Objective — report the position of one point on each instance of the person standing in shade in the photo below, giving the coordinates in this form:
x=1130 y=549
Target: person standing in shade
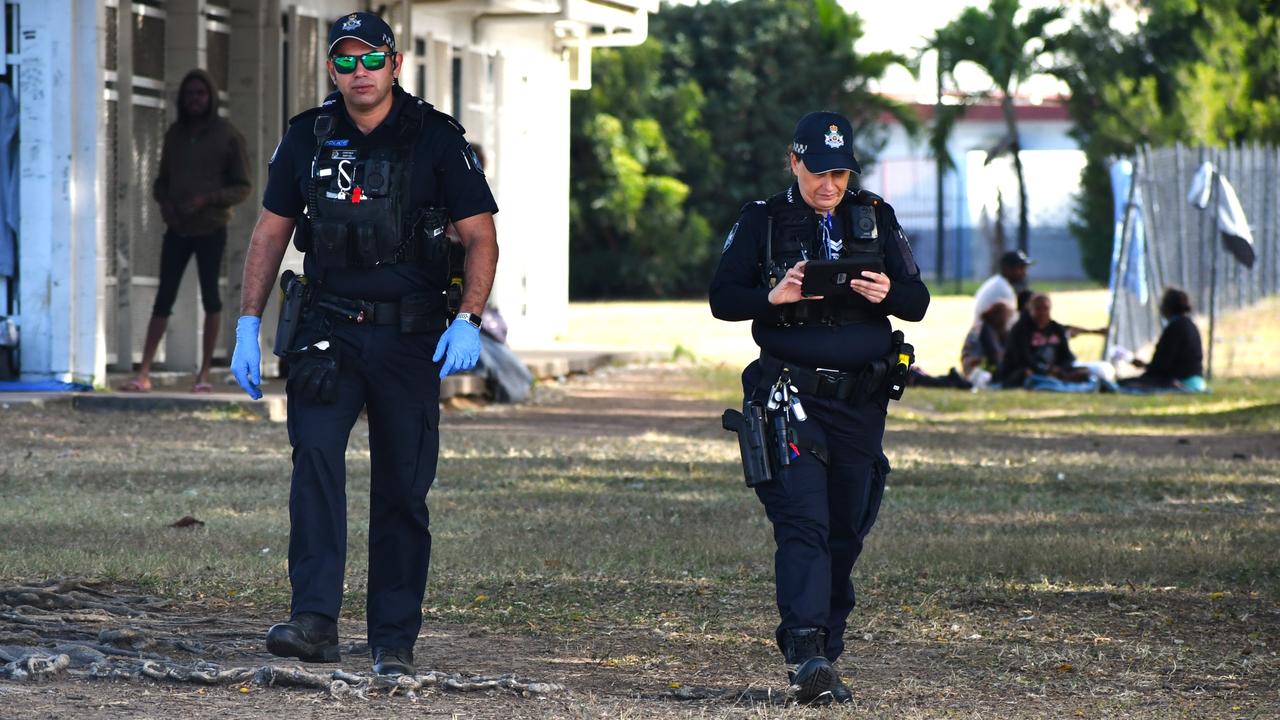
x=825 y=373
x=203 y=172
x=369 y=179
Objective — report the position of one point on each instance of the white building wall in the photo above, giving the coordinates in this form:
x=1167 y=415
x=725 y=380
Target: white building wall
x=61 y=235
x=514 y=82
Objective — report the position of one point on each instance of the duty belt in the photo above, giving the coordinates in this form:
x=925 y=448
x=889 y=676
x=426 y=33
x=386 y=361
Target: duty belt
x=854 y=387
x=366 y=311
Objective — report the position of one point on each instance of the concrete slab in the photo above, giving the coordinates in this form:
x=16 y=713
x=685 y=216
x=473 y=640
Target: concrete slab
x=171 y=389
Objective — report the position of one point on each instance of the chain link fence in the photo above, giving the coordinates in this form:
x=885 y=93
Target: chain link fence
x=1183 y=245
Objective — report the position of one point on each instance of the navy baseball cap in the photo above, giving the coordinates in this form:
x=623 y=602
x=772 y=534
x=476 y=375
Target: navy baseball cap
x=363 y=26
x=824 y=141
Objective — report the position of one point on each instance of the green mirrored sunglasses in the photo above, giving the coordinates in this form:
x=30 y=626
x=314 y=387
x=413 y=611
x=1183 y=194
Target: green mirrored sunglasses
x=346 y=64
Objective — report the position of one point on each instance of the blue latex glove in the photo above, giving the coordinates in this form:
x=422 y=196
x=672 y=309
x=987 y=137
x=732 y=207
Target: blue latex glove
x=246 y=359
x=459 y=346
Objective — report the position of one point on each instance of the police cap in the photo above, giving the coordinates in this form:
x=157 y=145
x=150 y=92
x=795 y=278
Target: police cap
x=824 y=142
x=363 y=26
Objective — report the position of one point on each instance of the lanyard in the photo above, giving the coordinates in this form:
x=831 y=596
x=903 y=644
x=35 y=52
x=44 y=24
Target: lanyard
x=830 y=249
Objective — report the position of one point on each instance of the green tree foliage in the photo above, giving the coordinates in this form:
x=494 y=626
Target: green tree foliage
x=1196 y=71
x=1004 y=42
x=675 y=135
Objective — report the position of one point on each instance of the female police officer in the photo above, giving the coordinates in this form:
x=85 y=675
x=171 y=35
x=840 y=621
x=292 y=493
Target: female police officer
x=823 y=380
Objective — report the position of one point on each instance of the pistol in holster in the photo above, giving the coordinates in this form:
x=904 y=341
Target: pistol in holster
x=751 y=425
x=293 y=289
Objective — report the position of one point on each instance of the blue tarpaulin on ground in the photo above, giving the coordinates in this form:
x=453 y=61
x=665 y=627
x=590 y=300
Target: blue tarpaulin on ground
x=42 y=386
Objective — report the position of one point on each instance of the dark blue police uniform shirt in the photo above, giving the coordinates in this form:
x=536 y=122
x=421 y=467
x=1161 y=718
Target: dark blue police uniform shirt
x=445 y=174
x=738 y=292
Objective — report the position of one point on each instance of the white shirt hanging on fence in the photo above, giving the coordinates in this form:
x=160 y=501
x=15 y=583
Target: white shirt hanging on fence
x=1232 y=223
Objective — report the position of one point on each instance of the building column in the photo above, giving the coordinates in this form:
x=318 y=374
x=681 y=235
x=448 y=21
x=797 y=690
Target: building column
x=62 y=233
x=256 y=109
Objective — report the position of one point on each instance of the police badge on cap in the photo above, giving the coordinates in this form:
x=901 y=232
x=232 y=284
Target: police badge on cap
x=822 y=143
x=363 y=26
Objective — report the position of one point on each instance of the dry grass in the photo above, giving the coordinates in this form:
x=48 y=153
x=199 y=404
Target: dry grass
x=1037 y=555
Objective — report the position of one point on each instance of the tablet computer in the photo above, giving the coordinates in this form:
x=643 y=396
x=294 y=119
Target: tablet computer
x=831 y=278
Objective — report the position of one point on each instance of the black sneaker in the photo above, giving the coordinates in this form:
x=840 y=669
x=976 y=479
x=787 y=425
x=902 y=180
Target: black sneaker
x=310 y=637
x=392 y=661
x=811 y=674
x=813 y=681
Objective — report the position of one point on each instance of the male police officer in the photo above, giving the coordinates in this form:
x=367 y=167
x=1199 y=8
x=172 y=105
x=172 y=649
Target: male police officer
x=371 y=166
x=827 y=366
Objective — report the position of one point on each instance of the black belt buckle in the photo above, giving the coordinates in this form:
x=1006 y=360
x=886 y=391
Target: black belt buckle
x=829 y=383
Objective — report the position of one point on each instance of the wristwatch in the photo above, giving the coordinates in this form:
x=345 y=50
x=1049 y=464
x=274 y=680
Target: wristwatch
x=469 y=317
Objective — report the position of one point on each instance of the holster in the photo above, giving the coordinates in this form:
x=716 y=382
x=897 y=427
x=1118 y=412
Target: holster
x=293 y=288
x=902 y=355
x=750 y=425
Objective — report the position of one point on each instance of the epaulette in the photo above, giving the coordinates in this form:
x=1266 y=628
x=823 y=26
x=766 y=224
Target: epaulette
x=749 y=205
x=866 y=196
x=325 y=106
x=430 y=111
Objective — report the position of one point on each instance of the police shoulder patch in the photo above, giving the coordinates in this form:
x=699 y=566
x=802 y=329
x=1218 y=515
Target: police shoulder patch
x=729 y=240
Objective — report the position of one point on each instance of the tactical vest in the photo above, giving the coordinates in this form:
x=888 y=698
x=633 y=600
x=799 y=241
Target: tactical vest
x=793 y=235
x=358 y=212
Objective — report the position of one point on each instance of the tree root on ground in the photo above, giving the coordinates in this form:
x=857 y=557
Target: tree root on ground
x=57 y=629
x=338 y=684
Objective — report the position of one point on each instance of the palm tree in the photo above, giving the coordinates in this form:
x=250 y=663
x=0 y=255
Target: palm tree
x=1006 y=49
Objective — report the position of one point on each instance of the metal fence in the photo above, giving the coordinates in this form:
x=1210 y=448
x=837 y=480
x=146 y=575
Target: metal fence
x=1183 y=245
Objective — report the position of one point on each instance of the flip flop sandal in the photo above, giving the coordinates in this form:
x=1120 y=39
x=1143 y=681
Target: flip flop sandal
x=133 y=386
x=203 y=387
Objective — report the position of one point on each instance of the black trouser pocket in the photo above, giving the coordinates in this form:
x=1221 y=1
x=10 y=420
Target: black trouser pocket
x=313 y=374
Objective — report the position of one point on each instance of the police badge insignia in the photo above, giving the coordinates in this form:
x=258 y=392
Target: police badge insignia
x=352 y=23
x=833 y=137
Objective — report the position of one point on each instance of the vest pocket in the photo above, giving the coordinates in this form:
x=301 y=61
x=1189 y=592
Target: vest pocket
x=366 y=239
x=329 y=241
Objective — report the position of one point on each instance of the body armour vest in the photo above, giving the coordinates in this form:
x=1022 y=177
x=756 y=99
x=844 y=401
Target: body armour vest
x=794 y=235
x=357 y=201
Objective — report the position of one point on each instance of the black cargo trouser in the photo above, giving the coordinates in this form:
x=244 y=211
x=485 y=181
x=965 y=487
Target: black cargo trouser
x=392 y=375
x=822 y=512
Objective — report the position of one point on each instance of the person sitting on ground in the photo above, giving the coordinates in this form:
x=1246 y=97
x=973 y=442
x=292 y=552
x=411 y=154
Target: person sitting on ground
x=984 y=346
x=1178 y=359
x=1038 y=346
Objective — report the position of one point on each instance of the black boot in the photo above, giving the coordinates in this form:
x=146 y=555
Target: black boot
x=811 y=673
x=392 y=661
x=310 y=637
